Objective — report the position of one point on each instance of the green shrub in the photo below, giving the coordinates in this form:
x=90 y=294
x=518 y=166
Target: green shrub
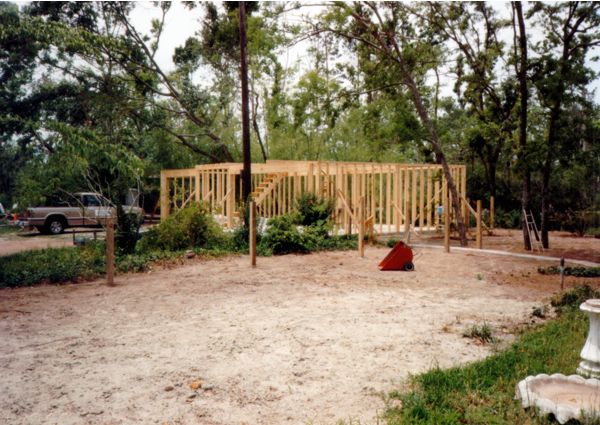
x=508 y=219
x=52 y=265
x=578 y=271
x=140 y=262
x=283 y=237
x=484 y=333
x=574 y=297
x=192 y=226
x=239 y=239
x=312 y=209
x=128 y=231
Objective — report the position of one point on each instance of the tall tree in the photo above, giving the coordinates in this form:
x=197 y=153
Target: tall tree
x=521 y=70
x=246 y=172
x=561 y=74
x=474 y=29
x=385 y=28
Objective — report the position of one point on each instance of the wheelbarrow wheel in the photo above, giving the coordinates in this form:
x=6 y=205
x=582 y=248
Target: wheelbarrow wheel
x=409 y=267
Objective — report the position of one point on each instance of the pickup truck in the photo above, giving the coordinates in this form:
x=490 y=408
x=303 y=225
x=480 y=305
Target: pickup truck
x=85 y=209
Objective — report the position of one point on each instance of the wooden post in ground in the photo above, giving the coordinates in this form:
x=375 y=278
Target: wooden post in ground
x=446 y=208
x=252 y=233
x=478 y=236
x=491 y=213
x=407 y=223
x=164 y=196
x=110 y=251
x=360 y=217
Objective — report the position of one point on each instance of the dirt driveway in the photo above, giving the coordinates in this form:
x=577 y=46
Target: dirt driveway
x=18 y=241
x=300 y=339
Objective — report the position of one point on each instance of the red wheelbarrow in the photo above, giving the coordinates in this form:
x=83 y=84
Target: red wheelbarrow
x=399 y=258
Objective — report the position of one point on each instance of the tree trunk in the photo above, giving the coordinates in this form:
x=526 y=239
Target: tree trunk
x=524 y=94
x=437 y=148
x=546 y=171
x=246 y=171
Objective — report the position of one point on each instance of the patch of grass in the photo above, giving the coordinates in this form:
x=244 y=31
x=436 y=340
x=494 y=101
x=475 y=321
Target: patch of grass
x=578 y=271
x=574 y=297
x=139 y=262
x=483 y=392
x=539 y=312
x=6 y=229
x=484 y=333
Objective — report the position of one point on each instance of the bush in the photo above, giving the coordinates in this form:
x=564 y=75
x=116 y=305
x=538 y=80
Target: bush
x=52 y=265
x=579 y=271
x=313 y=210
x=139 y=262
x=192 y=226
x=484 y=333
x=283 y=237
x=573 y=298
x=128 y=231
x=508 y=219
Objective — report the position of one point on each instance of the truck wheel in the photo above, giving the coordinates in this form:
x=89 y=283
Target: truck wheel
x=55 y=225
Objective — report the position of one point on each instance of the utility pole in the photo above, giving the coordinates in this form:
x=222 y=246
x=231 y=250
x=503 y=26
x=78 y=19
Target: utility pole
x=246 y=173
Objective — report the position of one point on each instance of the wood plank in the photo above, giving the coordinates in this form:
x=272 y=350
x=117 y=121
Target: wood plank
x=164 y=196
x=252 y=234
x=429 y=206
x=413 y=196
x=380 y=201
x=478 y=236
x=446 y=207
x=421 y=198
x=110 y=251
x=492 y=213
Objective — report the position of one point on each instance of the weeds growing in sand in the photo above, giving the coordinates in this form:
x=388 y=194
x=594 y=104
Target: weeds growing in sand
x=483 y=392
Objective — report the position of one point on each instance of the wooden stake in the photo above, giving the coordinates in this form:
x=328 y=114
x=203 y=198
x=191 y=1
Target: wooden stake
x=445 y=206
x=252 y=233
x=478 y=236
x=407 y=223
x=491 y=213
x=164 y=196
x=110 y=251
x=361 y=226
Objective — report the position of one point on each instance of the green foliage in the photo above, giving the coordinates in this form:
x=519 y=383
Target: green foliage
x=573 y=298
x=508 y=219
x=128 y=231
x=483 y=392
x=313 y=210
x=283 y=237
x=139 y=262
x=52 y=265
x=192 y=226
x=484 y=333
x=577 y=271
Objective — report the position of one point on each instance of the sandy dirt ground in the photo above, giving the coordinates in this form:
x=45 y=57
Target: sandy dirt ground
x=300 y=339
x=14 y=242
x=562 y=244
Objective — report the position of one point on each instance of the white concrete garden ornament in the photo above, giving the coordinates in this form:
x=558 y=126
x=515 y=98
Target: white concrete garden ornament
x=590 y=354
x=566 y=397
x=570 y=397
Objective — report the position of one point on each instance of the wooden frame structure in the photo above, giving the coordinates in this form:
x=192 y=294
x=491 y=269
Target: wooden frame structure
x=389 y=197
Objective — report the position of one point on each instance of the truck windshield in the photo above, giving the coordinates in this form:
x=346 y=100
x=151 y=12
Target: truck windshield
x=91 y=201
